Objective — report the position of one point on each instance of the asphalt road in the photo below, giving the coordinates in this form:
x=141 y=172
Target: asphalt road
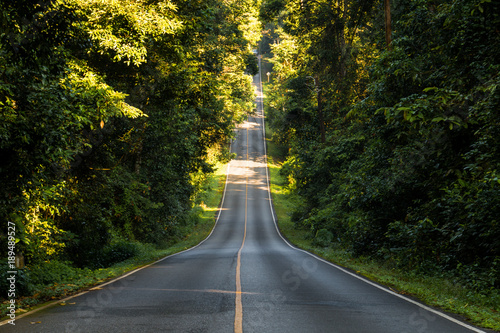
x=243 y=278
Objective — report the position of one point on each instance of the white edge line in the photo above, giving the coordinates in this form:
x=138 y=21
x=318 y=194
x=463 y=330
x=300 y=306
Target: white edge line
x=472 y=328
x=97 y=287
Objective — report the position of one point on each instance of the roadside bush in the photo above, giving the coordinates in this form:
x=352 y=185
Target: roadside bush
x=119 y=251
x=481 y=279
x=24 y=287
x=54 y=271
x=323 y=238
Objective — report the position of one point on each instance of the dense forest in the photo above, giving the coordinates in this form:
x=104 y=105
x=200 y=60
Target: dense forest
x=389 y=113
x=112 y=113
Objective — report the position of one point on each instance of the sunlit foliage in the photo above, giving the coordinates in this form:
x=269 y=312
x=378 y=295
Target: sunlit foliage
x=108 y=112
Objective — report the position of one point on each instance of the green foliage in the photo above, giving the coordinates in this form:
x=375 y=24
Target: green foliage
x=121 y=30
x=444 y=289
x=409 y=170
x=252 y=65
x=323 y=237
x=23 y=284
x=53 y=272
x=270 y=9
x=119 y=251
x=107 y=110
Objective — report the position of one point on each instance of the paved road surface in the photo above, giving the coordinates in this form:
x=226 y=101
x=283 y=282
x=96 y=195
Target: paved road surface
x=243 y=278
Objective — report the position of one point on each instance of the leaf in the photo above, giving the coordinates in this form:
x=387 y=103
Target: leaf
x=130 y=111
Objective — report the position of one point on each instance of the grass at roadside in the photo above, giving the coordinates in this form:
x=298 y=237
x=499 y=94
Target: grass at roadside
x=435 y=291
x=76 y=280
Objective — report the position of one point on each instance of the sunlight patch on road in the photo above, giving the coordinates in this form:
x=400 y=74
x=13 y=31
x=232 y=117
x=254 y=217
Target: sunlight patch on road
x=249 y=125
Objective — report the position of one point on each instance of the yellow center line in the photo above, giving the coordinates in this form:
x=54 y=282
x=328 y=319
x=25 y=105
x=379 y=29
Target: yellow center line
x=238 y=313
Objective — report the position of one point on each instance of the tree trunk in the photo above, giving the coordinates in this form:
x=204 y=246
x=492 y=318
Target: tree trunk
x=388 y=29
x=320 y=111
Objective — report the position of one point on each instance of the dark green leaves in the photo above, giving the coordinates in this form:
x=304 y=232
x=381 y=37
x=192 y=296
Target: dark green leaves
x=409 y=170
